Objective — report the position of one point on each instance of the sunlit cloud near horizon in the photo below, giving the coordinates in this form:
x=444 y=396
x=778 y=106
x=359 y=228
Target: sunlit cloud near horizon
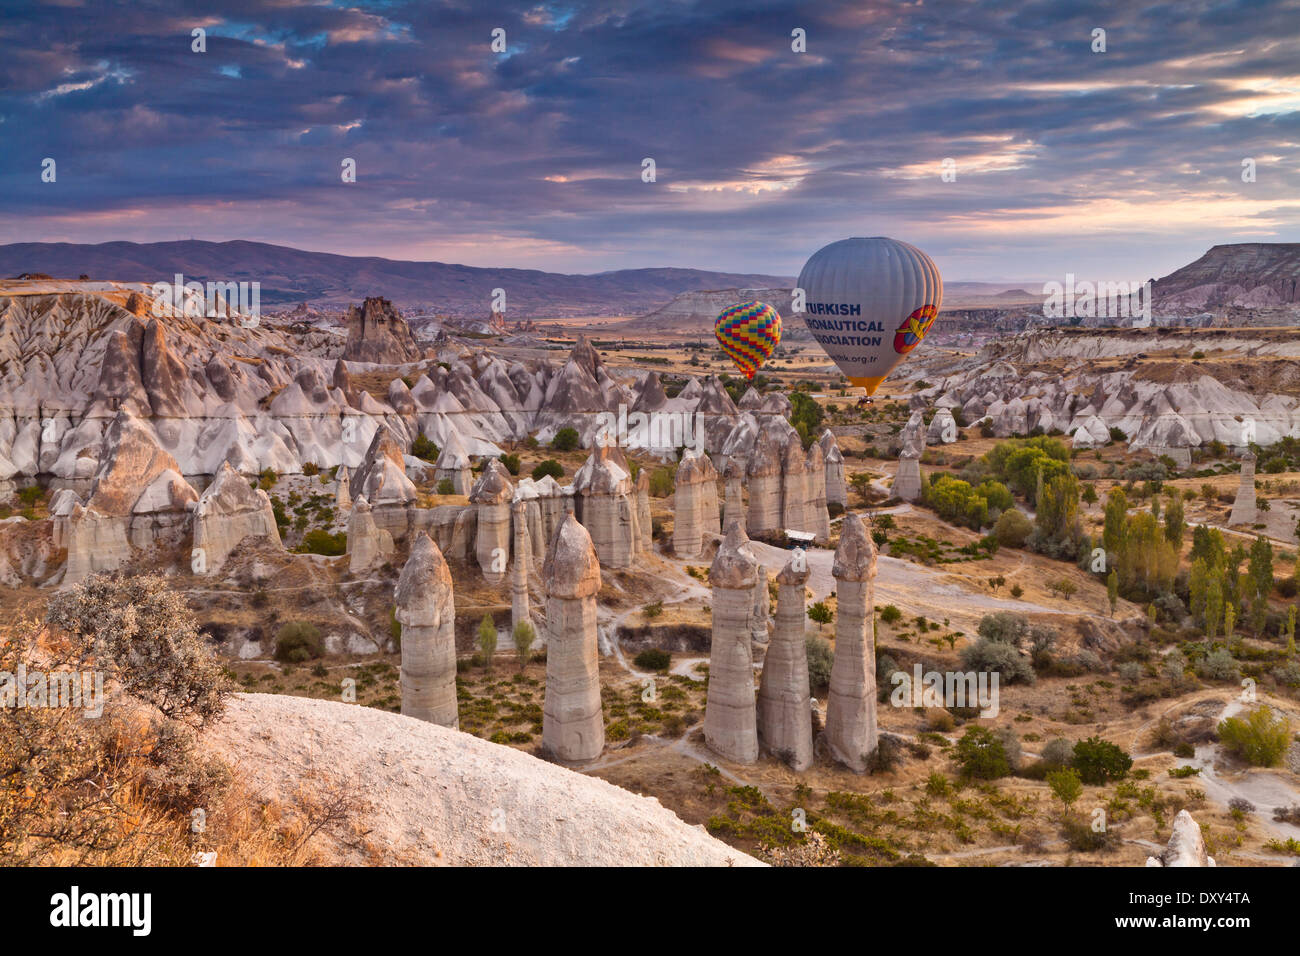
x=1124 y=163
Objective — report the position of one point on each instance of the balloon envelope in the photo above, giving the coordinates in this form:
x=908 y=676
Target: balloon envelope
x=749 y=333
x=869 y=302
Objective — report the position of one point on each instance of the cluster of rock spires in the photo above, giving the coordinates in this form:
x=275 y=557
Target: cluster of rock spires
x=737 y=722
x=1169 y=412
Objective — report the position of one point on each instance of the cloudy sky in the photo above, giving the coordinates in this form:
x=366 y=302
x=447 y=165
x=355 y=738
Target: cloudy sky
x=1122 y=164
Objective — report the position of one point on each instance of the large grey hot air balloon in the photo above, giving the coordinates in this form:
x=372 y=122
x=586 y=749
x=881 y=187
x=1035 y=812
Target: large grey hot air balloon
x=869 y=302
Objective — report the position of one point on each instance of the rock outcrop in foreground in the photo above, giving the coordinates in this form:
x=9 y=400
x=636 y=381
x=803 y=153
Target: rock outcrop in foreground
x=1186 y=845
x=437 y=797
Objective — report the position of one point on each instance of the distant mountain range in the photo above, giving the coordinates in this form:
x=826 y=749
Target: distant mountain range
x=289 y=276
x=1241 y=274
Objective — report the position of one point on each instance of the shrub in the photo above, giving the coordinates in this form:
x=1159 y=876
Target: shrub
x=144 y=634
x=320 y=541
x=1130 y=672
x=1058 y=752
x=1099 y=761
x=661 y=482
x=1260 y=739
x=424 y=449
x=653 y=659
x=446 y=487
x=987 y=655
x=820 y=660
x=298 y=642
x=566 y=439
x=1082 y=838
x=890 y=614
x=981 y=755
x=310 y=468
x=1012 y=529
x=653 y=609
x=1066 y=785
x=511 y=462
x=1219 y=665
x=549 y=467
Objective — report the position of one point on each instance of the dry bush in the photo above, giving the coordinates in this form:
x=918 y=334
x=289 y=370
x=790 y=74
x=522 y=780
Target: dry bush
x=130 y=786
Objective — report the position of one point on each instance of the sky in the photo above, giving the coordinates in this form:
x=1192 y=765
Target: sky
x=1122 y=164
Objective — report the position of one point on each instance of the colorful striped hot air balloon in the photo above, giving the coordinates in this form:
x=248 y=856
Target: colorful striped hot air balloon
x=749 y=333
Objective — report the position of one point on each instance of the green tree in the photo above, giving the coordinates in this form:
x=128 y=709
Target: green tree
x=1175 y=523
x=1066 y=785
x=487 y=639
x=1260 y=582
x=549 y=467
x=820 y=613
x=1099 y=761
x=524 y=635
x=1261 y=738
x=1115 y=519
x=1112 y=590
x=981 y=755
x=1213 y=609
x=566 y=439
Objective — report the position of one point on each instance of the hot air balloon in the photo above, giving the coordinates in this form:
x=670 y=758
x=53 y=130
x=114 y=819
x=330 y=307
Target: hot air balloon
x=869 y=303
x=749 y=333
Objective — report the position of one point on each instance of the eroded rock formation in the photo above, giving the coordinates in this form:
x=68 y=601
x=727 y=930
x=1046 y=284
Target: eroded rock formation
x=491 y=496
x=573 y=727
x=784 y=697
x=427 y=612
x=730 y=716
x=851 y=734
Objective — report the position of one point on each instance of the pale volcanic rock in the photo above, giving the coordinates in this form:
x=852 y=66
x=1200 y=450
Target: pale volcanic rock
x=607 y=507
x=228 y=511
x=95 y=542
x=764 y=478
x=1091 y=432
x=377 y=333
x=733 y=508
x=381 y=478
x=343 y=493
x=1244 y=509
x=368 y=545
x=817 y=516
x=784 y=696
x=491 y=496
x=454 y=465
x=907 y=480
x=851 y=732
x=652 y=396
x=943 y=428
x=795 y=493
x=730 y=716
x=436 y=797
x=519 y=609
x=1186 y=845
x=573 y=728
x=688 y=505
x=426 y=610
x=644 y=522
x=837 y=491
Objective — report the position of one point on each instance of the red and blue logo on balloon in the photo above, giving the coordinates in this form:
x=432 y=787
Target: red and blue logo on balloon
x=909 y=334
